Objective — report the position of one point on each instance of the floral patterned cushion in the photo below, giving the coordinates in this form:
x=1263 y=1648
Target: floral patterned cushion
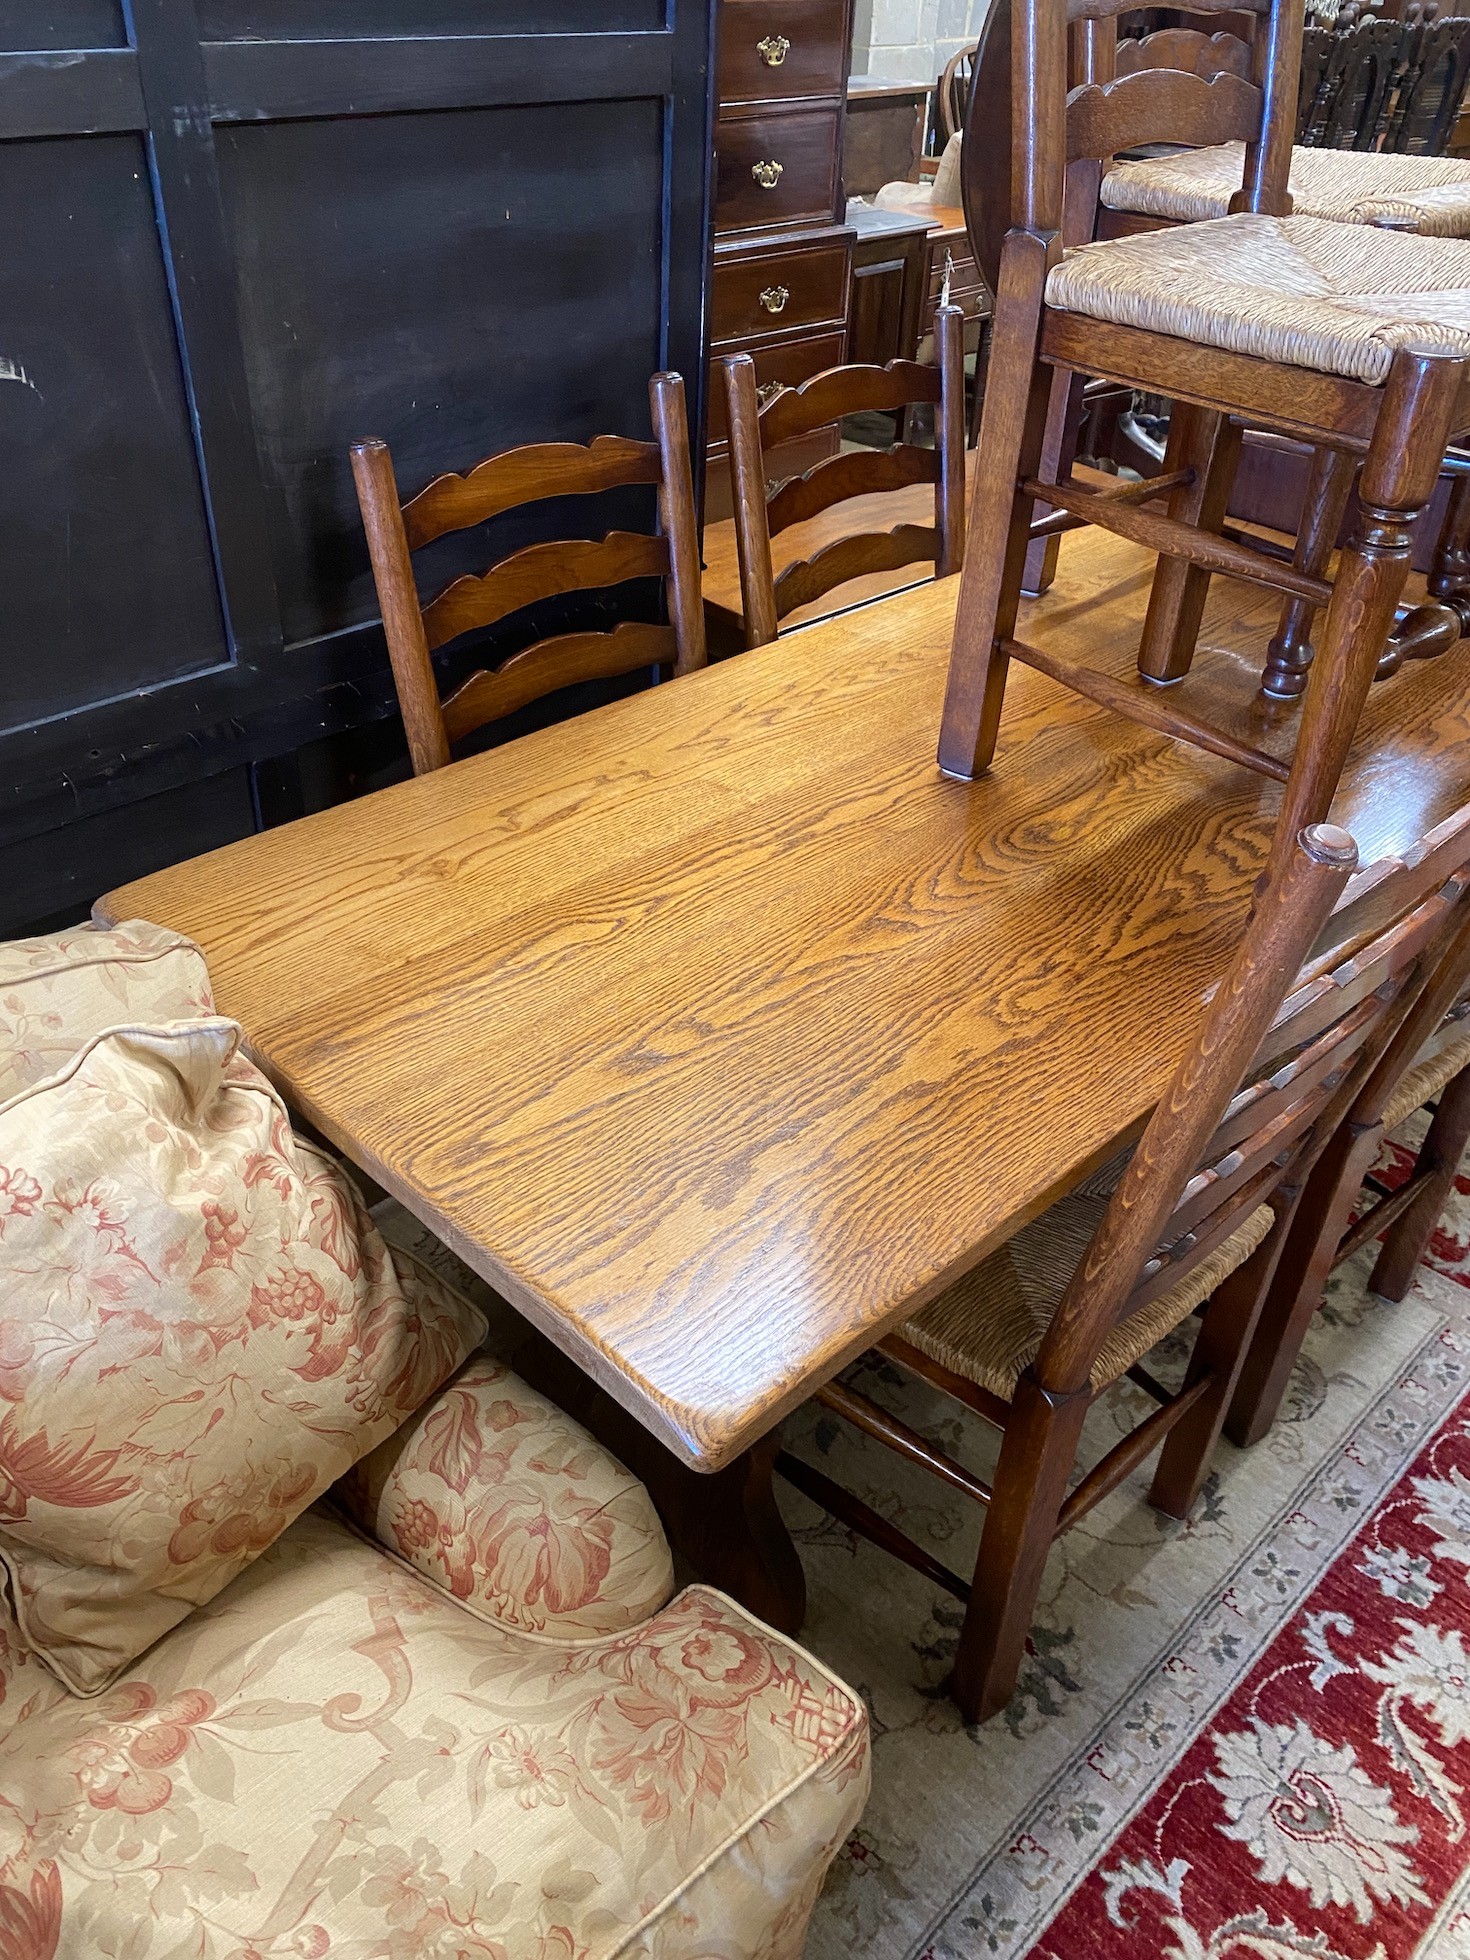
x=57 y=992
x=200 y=1329
x=495 y=1494
x=334 y=1758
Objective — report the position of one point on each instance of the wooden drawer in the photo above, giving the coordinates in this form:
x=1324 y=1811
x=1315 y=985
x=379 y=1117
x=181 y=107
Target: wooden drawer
x=777 y=170
x=754 y=67
x=964 y=278
x=776 y=292
x=791 y=361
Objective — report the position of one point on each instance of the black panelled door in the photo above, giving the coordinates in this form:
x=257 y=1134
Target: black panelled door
x=234 y=235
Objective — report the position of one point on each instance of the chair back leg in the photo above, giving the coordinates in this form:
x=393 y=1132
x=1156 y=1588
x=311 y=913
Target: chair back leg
x=1220 y=1349
x=1315 y=1230
x=1405 y=1241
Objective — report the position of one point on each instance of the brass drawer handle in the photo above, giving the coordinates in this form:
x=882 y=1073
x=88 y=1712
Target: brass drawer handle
x=773 y=50
x=767 y=175
x=774 y=298
x=767 y=391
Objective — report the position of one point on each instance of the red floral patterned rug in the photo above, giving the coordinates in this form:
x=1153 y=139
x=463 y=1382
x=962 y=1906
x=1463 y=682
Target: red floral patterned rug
x=1325 y=1810
x=1242 y=1738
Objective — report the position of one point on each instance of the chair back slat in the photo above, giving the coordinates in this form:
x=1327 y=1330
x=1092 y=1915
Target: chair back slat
x=855 y=473
x=541 y=571
x=836 y=392
x=763 y=510
x=1323 y=1058
x=523 y=476
x=1287 y=919
x=1327 y=1043
x=1161 y=105
x=871 y=551
x=1110 y=9
x=475 y=602
x=554 y=663
x=1184 y=48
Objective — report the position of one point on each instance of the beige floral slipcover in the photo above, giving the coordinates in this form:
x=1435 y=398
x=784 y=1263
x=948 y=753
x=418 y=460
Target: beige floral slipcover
x=337 y=1757
x=486 y=1737
x=200 y=1329
x=58 y=991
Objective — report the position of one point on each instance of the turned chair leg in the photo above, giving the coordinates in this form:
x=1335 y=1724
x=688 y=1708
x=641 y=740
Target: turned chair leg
x=1399 y=475
x=1036 y=1458
x=1058 y=453
x=1290 y=653
x=1219 y=1350
x=1318 y=1223
x=1439 y=1158
x=1449 y=571
x=1208 y=443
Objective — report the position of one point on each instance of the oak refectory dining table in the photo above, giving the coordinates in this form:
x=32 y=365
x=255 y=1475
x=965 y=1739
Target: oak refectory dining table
x=718 y=1031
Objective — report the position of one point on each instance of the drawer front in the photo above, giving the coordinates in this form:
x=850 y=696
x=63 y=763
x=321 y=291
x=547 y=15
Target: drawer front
x=777 y=170
x=792 y=361
x=773 y=50
x=774 y=292
x=963 y=278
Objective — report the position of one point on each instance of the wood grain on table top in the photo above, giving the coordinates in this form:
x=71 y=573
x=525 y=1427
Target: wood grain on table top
x=718 y=1030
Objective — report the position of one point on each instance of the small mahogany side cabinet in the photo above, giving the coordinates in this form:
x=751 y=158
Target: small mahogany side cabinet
x=236 y=234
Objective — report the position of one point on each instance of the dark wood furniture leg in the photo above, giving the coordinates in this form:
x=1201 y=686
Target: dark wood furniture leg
x=726 y=1524
x=1289 y=654
x=1219 y=1352
x=1449 y=571
x=1012 y=431
x=1399 y=475
x=1058 y=453
x=1439 y=1160
x=1036 y=1459
x=1306 y=1262
x=1206 y=443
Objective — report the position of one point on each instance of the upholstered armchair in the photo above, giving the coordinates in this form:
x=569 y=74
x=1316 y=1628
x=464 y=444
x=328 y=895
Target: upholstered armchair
x=453 y=1712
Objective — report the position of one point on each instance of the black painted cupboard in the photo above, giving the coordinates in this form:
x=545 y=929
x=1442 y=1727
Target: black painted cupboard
x=235 y=234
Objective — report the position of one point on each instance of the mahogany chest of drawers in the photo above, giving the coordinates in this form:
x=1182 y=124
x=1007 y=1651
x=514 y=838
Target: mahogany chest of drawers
x=783 y=257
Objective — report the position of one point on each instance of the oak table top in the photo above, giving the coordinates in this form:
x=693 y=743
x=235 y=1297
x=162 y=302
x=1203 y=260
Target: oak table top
x=718 y=1030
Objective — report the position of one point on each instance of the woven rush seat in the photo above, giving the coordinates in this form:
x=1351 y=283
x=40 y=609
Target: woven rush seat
x=1426 y=1078
x=989 y=1326
x=1429 y=195
x=1339 y=299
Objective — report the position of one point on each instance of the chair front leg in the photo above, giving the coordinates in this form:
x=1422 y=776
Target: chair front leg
x=1439 y=1160
x=1012 y=430
x=1290 y=653
x=1036 y=1458
x=1399 y=475
x=1058 y=453
x=1208 y=443
x=1318 y=1223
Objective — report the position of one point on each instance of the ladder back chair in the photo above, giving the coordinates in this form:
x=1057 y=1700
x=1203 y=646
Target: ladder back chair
x=414 y=629
x=1428 y=194
x=1226 y=319
x=1428 y=1057
x=1194 y=1221
x=1425 y=193
x=763 y=512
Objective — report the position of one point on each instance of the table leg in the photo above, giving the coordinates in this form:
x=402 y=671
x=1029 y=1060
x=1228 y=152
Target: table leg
x=724 y=1523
